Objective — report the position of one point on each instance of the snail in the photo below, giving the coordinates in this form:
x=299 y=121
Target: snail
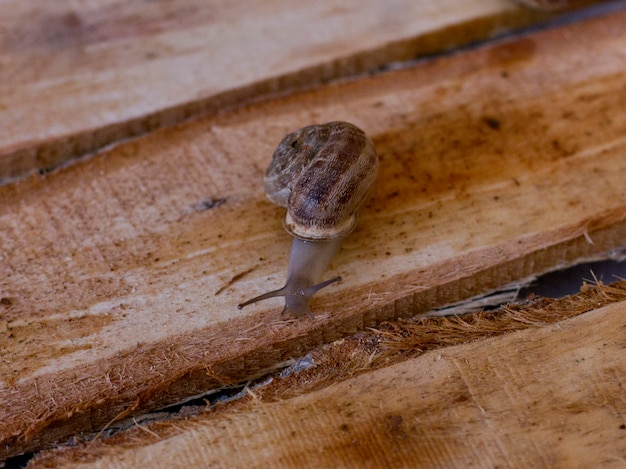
x=322 y=174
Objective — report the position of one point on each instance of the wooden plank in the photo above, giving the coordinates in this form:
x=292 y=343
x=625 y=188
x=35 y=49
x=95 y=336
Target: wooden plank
x=343 y=360
x=548 y=395
x=496 y=164
x=80 y=75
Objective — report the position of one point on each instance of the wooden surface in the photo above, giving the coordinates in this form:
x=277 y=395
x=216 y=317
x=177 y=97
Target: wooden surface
x=548 y=395
x=117 y=272
x=80 y=75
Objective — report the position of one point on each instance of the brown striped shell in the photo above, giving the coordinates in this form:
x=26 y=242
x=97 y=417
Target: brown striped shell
x=322 y=174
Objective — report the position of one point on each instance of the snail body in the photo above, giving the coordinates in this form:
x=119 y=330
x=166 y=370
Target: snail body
x=322 y=174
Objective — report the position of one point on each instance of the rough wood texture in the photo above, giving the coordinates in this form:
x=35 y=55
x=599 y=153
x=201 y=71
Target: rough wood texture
x=79 y=75
x=117 y=273
x=549 y=395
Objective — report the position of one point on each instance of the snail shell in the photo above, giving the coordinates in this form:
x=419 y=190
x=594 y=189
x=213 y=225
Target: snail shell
x=322 y=174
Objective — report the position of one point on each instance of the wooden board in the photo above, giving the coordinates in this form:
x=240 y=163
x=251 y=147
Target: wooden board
x=116 y=273
x=548 y=395
x=80 y=75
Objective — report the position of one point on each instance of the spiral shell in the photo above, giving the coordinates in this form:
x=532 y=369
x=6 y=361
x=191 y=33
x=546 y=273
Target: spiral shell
x=322 y=174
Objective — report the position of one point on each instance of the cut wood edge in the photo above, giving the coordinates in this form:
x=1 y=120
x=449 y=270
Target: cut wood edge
x=335 y=370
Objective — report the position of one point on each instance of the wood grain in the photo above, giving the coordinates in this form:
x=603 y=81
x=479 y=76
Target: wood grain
x=542 y=397
x=77 y=76
x=120 y=275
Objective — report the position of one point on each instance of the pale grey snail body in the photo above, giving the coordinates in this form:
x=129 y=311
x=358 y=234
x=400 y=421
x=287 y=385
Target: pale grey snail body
x=322 y=174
